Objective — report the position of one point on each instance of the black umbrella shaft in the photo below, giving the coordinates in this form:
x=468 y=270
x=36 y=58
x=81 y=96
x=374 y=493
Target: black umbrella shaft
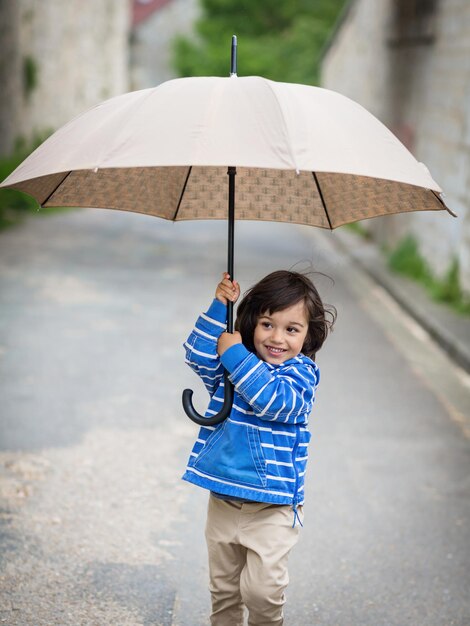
x=228 y=386
x=232 y=171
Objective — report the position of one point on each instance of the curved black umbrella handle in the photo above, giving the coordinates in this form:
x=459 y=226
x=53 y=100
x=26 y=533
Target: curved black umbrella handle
x=215 y=419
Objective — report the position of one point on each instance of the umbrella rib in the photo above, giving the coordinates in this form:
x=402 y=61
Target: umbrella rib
x=322 y=199
x=182 y=193
x=439 y=197
x=43 y=203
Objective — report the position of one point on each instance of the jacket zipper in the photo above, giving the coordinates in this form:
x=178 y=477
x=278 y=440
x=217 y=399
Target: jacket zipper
x=296 y=484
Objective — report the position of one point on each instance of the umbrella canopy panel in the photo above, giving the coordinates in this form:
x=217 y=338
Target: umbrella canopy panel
x=327 y=200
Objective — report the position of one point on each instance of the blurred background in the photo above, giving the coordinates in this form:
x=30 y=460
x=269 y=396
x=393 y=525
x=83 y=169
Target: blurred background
x=96 y=526
x=407 y=61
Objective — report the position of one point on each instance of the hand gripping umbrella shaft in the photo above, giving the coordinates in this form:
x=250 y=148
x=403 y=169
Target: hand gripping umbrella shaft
x=228 y=387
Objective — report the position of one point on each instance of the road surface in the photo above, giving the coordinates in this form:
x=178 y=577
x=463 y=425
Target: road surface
x=96 y=527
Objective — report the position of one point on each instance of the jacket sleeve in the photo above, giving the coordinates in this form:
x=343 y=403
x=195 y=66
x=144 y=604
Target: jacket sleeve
x=283 y=395
x=201 y=346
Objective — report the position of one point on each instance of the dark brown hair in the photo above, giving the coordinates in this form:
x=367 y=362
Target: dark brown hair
x=281 y=290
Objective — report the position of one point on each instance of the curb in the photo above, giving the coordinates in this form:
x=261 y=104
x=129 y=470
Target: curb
x=450 y=330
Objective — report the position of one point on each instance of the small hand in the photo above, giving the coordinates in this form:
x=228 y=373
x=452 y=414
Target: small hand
x=227 y=289
x=227 y=340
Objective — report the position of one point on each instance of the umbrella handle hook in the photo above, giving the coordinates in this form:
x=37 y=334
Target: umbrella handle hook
x=228 y=391
x=215 y=419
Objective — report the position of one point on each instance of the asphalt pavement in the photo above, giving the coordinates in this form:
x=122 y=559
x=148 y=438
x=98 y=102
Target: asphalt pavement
x=96 y=527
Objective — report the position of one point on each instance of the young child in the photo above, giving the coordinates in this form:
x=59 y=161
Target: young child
x=254 y=462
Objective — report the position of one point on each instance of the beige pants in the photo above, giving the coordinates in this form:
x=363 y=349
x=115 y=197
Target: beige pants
x=248 y=544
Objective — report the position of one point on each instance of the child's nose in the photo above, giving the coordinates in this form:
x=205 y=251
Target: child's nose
x=276 y=335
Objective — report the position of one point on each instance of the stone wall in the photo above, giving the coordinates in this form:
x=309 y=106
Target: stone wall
x=63 y=57
x=413 y=72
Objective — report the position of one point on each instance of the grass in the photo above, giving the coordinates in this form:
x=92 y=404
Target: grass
x=406 y=259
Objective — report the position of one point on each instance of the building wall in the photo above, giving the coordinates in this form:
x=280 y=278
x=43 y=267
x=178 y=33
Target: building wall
x=151 y=42
x=356 y=62
x=68 y=56
x=416 y=79
x=10 y=75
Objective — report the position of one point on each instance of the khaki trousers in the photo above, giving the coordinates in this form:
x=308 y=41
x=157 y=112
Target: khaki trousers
x=248 y=545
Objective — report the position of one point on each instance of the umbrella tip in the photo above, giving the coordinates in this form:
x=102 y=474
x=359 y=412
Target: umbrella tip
x=233 y=61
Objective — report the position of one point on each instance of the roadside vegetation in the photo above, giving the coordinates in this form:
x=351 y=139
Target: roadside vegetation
x=13 y=204
x=406 y=259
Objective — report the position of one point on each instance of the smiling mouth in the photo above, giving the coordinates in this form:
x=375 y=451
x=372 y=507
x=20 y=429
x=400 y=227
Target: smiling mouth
x=275 y=351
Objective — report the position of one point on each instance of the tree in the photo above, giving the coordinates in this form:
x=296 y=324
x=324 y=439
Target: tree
x=281 y=40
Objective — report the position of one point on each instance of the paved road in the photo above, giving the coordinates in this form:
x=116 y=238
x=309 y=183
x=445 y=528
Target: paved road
x=96 y=527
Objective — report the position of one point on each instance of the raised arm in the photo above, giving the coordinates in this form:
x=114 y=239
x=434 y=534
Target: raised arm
x=201 y=345
x=283 y=395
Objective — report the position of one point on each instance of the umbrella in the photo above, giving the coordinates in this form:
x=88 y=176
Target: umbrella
x=298 y=153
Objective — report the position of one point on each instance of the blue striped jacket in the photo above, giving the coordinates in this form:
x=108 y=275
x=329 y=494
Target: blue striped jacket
x=260 y=451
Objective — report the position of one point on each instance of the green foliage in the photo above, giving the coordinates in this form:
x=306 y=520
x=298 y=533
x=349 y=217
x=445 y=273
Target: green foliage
x=30 y=76
x=449 y=290
x=358 y=228
x=14 y=204
x=406 y=259
x=279 y=40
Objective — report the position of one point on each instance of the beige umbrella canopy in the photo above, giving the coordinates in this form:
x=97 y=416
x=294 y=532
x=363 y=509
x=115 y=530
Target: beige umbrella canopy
x=303 y=154
x=300 y=154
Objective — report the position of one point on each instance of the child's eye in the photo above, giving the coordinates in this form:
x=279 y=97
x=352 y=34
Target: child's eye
x=265 y=324
x=292 y=330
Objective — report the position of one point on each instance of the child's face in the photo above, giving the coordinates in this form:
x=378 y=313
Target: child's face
x=280 y=336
